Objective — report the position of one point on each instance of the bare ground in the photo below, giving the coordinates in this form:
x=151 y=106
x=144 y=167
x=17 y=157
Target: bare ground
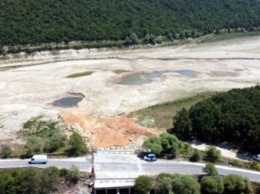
x=41 y=78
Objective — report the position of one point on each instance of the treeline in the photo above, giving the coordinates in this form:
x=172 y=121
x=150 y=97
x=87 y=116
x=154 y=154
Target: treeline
x=32 y=180
x=232 y=116
x=42 y=21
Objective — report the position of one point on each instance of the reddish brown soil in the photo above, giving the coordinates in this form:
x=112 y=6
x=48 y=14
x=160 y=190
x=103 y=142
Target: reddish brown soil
x=107 y=131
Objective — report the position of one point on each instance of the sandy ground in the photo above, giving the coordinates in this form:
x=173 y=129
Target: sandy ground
x=28 y=91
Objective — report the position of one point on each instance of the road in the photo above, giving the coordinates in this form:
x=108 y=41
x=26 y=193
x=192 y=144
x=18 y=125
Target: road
x=127 y=165
x=81 y=163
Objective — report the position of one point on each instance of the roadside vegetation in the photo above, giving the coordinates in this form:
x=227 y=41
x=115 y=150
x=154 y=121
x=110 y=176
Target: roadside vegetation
x=37 y=181
x=49 y=137
x=209 y=183
x=224 y=117
x=168 y=146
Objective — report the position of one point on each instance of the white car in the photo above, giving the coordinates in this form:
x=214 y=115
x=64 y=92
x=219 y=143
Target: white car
x=38 y=159
x=257 y=157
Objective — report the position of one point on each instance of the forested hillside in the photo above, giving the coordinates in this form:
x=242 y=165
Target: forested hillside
x=232 y=116
x=38 y=21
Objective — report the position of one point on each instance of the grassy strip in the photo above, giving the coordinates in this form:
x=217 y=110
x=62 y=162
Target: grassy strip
x=227 y=36
x=119 y=71
x=160 y=116
x=75 y=75
x=7 y=68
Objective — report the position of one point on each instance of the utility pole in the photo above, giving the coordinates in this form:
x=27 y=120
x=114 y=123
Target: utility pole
x=92 y=163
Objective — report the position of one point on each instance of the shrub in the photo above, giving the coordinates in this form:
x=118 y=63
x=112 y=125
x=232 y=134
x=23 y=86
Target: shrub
x=165 y=186
x=5 y=150
x=185 y=184
x=143 y=185
x=55 y=141
x=73 y=175
x=32 y=146
x=236 y=184
x=29 y=180
x=50 y=177
x=64 y=172
x=212 y=185
x=195 y=156
x=255 y=165
x=77 y=145
x=210 y=169
x=213 y=154
x=153 y=144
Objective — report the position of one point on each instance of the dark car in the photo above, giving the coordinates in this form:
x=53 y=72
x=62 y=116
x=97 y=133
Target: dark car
x=257 y=157
x=143 y=154
x=150 y=157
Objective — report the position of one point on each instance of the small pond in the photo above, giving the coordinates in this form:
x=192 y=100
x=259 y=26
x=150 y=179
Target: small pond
x=139 y=79
x=67 y=102
x=134 y=79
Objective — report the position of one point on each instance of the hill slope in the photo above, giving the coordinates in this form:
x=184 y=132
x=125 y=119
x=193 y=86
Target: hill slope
x=31 y=21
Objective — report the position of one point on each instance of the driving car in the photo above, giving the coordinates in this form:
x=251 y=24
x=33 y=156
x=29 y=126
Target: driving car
x=150 y=157
x=257 y=157
x=38 y=159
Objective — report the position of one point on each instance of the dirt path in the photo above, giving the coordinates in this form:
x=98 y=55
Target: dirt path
x=28 y=91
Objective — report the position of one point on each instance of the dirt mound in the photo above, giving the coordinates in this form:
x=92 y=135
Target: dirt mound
x=107 y=131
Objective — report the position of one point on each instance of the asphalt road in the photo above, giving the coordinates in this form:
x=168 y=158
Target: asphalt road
x=82 y=164
x=128 y=165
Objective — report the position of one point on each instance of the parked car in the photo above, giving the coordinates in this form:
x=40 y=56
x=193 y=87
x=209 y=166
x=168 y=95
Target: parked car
x=38 y=159
x=257 y=157
x=142 y=154
x=150 y=157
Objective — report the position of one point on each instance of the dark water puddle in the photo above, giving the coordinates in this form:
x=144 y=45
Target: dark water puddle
x=67 y=102
x=139 y=79
x=134 y=79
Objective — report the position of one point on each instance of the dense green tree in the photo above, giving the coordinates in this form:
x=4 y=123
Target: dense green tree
x=132 y=39
x=166 y=144
x=236 y=184
x=5 y=150
x=231 y=116
x=1 y=50
x=77 y=145
x=159 y=39
x=212 y=185
x=169 y=143
x=66 y=20
x=170 y=37
x=143 y=185
x=213 y=154
x=186 y=185
x=182 y=125
x=165 y=186
x=164 y=175
x=205 y=117
x=153 y=144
